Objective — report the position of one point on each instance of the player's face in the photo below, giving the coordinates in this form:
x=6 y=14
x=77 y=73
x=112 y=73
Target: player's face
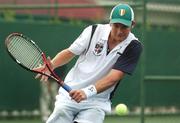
x=119 y=32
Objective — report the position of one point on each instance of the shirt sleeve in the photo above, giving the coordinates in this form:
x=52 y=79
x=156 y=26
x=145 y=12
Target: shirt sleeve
x=129 y=59
x=81 y=43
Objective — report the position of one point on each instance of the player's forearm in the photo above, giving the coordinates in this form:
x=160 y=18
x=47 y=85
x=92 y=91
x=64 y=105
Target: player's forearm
x=103 y=84
x=108 y=81
x=62 y=58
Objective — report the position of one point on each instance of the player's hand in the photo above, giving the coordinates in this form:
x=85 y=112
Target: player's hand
x=44 y=69
x=77 y=95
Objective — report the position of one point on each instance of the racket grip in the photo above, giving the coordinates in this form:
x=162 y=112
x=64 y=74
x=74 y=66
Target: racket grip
x=66 y=87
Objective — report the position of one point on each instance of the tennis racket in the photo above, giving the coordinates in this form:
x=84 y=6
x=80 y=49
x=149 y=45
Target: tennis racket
x=28 y=55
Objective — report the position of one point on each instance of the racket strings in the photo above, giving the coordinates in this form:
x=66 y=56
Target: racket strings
x=34 y=57
x=25 y=52
x=36 y=62
x=28 y=60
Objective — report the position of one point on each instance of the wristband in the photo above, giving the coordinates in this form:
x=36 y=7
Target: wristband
x=90 y=91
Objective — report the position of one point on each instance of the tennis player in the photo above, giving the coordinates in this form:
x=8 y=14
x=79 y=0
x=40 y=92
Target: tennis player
x=103 y=61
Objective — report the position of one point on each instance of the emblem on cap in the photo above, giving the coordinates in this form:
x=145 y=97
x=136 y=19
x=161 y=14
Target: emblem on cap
x=122 y=12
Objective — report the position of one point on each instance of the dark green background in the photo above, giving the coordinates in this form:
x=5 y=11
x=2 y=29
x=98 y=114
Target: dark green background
x=19 y=89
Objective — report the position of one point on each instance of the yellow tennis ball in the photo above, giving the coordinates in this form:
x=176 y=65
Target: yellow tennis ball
x=121 y=109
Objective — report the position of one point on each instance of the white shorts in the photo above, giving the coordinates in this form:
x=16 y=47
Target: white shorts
x=69 y=111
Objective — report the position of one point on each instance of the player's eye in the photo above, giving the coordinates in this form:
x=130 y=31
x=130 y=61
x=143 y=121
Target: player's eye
x=121 y=26
x=124 y=27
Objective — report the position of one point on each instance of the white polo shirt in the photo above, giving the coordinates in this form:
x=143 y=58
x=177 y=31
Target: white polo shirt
x=94 y=63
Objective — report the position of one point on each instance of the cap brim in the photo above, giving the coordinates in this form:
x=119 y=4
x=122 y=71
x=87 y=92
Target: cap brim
x=122 y=21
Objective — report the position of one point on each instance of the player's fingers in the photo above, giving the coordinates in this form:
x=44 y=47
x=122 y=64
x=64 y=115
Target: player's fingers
x=72 y=93
x=78 y=98
x=76 y=95
x=39 y=68
x=48 y=58
x=38 y=76
x=49 y=62
x=44 y=78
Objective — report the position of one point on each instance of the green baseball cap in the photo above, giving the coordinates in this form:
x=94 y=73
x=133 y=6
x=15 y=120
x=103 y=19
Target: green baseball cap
x=122 y=13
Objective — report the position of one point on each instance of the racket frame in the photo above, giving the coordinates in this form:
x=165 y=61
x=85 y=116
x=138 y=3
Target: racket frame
x=53 y=74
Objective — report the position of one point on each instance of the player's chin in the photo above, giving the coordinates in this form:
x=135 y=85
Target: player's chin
x=120 y=38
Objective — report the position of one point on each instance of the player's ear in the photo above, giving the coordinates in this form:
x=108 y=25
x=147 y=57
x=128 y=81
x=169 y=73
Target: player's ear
x=133 y=24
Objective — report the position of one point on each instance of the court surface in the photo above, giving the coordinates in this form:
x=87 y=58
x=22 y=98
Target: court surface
x=115 y=119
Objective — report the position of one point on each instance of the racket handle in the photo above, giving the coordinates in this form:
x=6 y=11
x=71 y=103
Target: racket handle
x=66 y=87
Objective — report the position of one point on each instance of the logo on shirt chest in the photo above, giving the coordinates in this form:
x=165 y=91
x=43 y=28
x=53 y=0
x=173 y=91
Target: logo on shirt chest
x=98 y=48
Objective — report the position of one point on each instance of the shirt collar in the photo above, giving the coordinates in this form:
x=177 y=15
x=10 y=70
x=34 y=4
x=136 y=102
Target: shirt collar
x=107 y=31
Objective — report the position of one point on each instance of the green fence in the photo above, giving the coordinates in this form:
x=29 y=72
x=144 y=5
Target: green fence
x=19 y=90
x=156 y=81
